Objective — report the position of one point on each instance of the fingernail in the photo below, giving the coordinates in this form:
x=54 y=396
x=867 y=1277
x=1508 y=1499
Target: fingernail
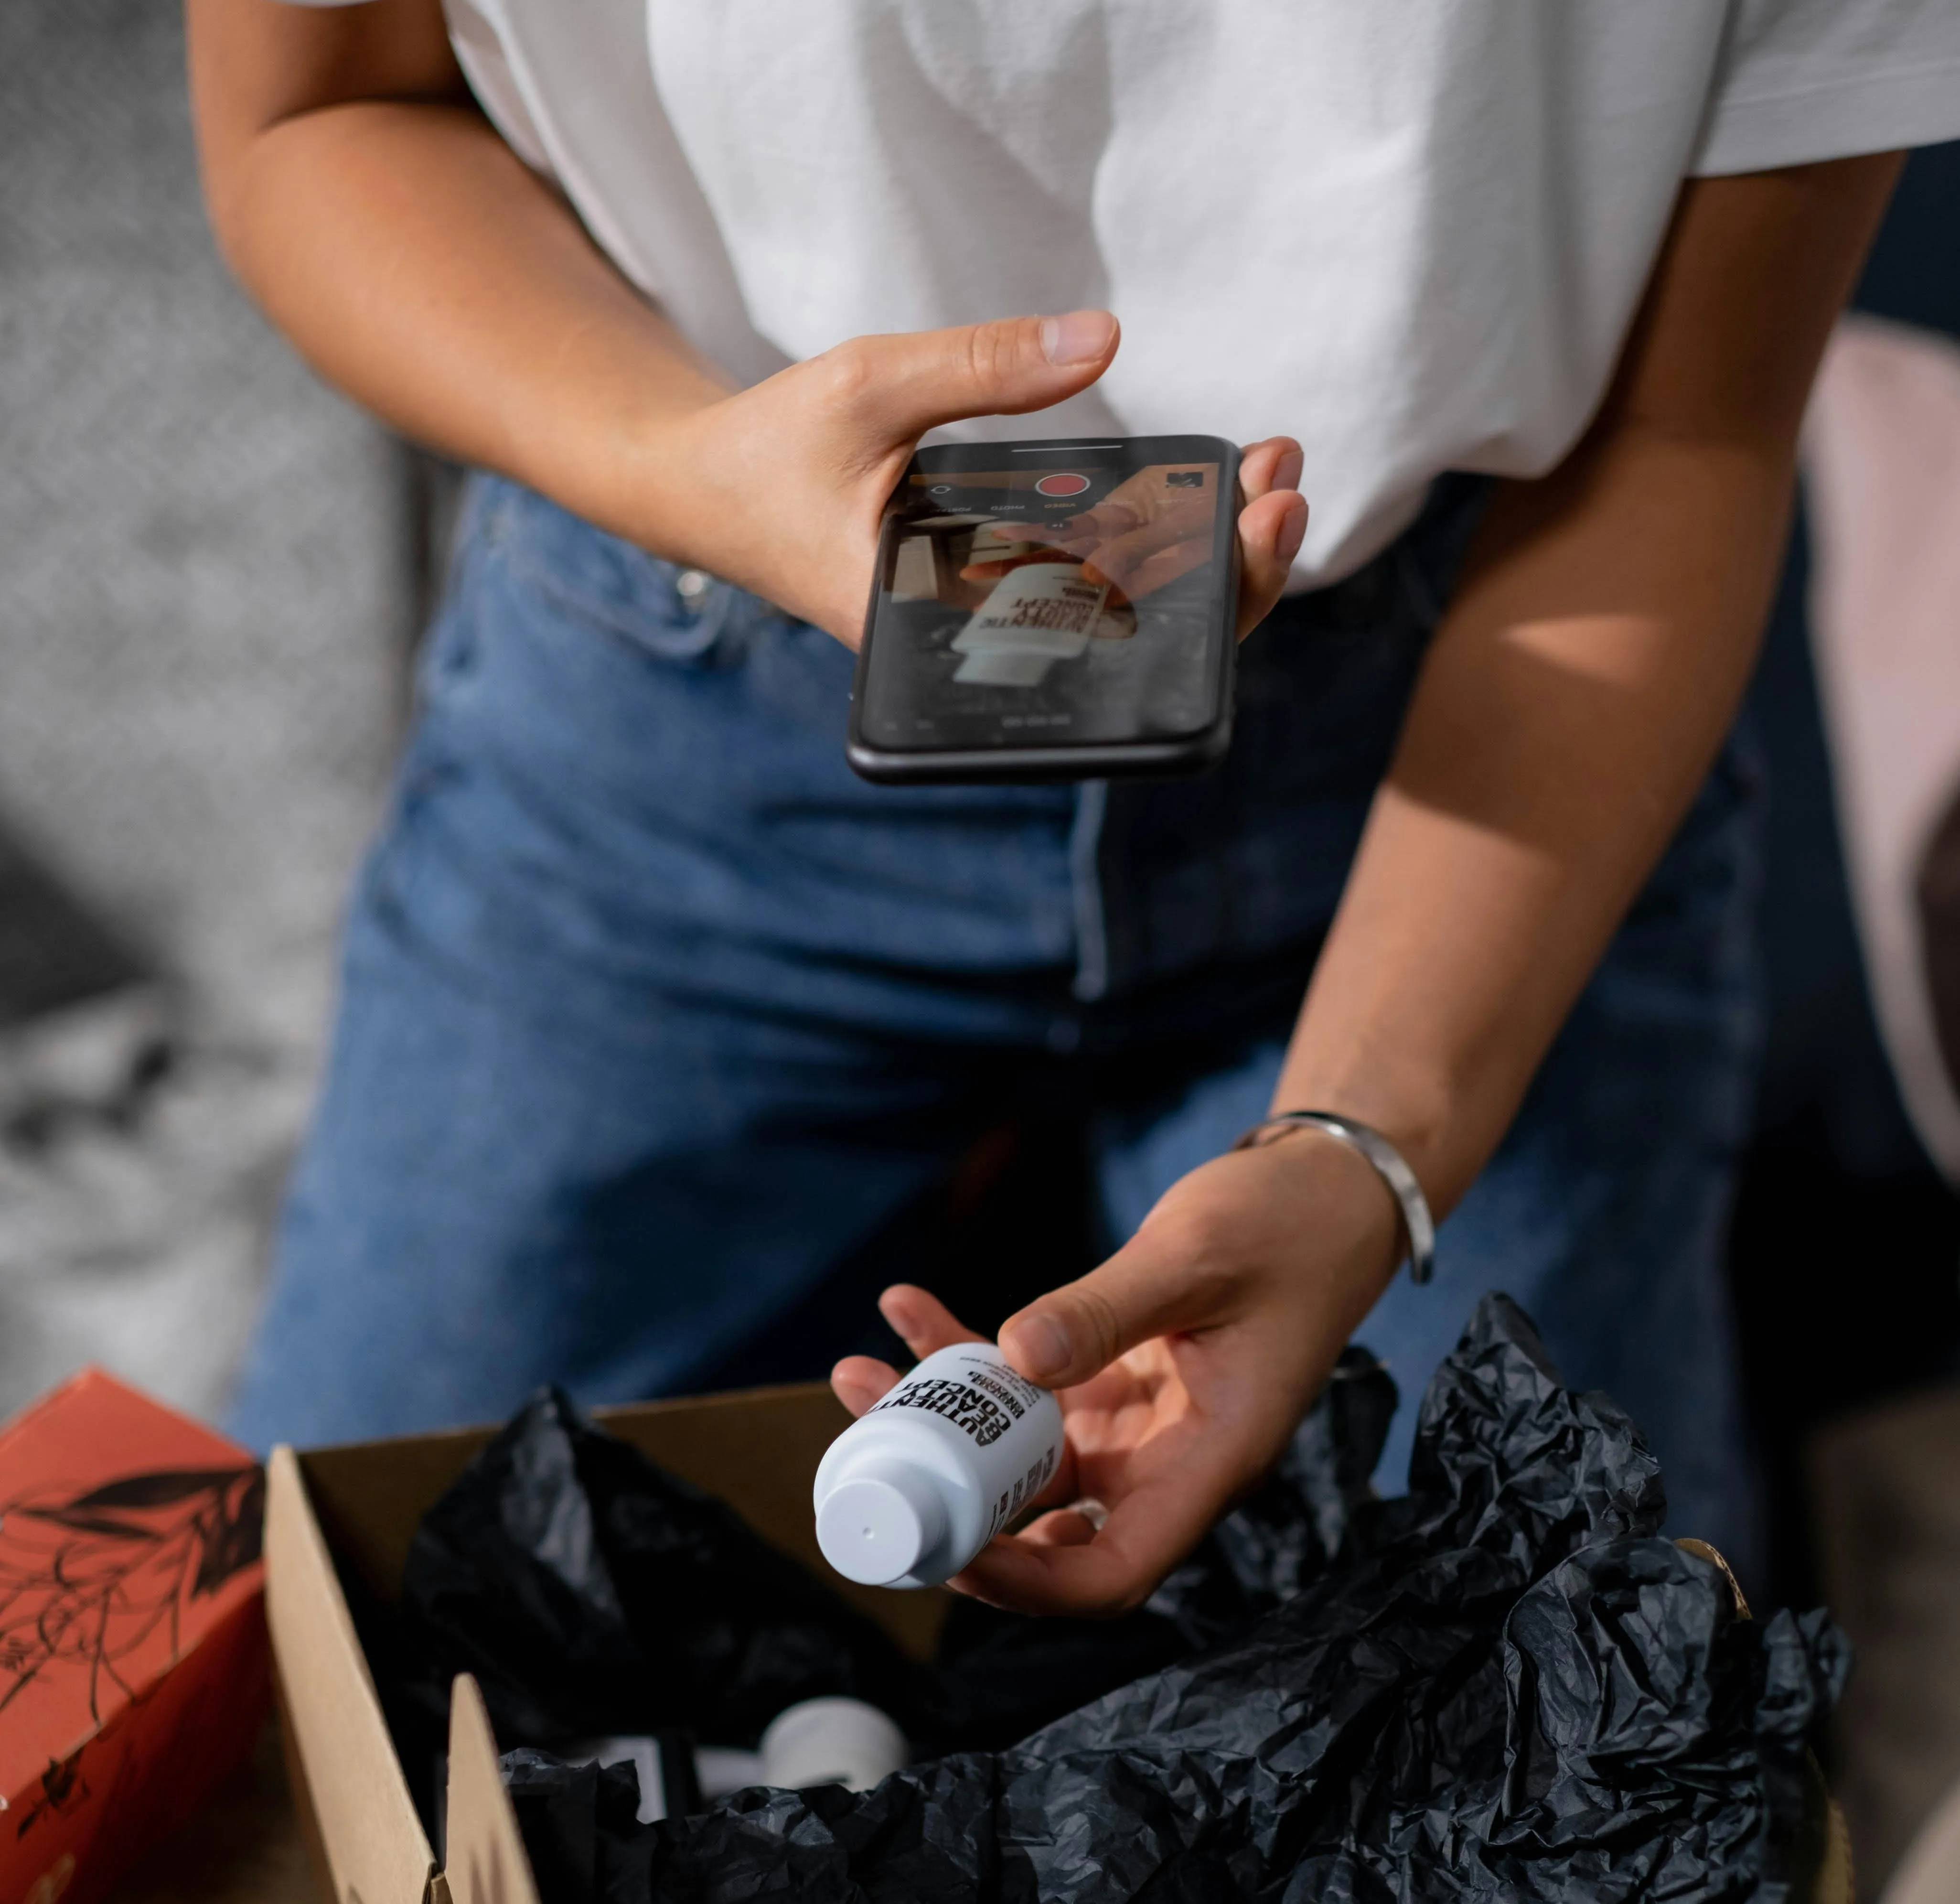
x=1039 y=1346
x=1286 y=477
x=1292 y=533
x=1079 y=338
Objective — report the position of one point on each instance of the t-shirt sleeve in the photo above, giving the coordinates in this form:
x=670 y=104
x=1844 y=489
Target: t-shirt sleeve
x=1803 y=80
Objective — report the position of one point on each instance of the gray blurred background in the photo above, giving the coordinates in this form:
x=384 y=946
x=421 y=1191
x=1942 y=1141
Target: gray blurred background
x=209 y=569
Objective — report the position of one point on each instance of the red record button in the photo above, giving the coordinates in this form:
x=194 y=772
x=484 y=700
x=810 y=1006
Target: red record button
x=1064 y=482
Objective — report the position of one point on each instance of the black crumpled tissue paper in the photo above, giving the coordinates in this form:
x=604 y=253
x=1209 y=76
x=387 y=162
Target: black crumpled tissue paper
x=1000 y=1676
x=592 y=1594
x=997 y=1677
x=1504 y=1684
x=581 y=1826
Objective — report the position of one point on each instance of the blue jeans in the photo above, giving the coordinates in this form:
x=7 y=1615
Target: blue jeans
x=653 y=1013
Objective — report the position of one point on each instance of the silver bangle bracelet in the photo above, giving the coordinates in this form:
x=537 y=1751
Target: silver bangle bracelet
x=1418 y=1226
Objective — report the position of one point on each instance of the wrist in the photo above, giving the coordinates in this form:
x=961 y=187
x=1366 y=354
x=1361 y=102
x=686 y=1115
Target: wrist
x=1343 y=1234
x=1414 y=1224
x=1415 y=1110
x=651 y=482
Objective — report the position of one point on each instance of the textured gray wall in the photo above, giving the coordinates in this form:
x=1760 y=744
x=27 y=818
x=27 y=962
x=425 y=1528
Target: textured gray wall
x=205 y=569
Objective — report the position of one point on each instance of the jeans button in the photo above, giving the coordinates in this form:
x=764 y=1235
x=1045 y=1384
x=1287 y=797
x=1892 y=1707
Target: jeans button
x=691 y=585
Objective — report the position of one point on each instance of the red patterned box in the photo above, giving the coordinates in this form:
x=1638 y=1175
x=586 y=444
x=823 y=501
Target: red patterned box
x=133 y=1673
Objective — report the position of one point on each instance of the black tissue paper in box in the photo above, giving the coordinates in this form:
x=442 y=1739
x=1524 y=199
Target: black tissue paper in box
x=592 y=1594
x=582 y=1825
x=1506 y=1685
x=999 y=1676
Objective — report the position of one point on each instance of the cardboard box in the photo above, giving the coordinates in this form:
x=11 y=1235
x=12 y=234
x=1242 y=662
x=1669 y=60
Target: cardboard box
x=352 y=1511
x=133 y=1665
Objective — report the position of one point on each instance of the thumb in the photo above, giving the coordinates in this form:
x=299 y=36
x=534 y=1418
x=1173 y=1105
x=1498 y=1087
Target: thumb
x=915 y=380
x=1151 y=1287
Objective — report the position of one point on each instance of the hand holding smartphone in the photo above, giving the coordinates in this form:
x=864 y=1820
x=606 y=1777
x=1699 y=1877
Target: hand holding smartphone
x=1062 y=609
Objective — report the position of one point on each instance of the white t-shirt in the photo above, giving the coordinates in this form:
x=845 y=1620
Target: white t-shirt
x=1410 y=233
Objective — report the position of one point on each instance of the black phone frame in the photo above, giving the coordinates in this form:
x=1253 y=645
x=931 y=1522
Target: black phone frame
x=1175 y=754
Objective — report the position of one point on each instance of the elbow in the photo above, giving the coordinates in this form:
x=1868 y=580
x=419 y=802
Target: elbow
x=241 y=193
x=226 y=148
x=224 y=213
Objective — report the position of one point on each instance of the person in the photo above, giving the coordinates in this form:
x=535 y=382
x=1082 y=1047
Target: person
x=652 y=1014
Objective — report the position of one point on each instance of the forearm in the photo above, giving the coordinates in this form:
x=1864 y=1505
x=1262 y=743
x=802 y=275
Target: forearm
x=1578 y=688
x=423 y=269
x=1571 y=706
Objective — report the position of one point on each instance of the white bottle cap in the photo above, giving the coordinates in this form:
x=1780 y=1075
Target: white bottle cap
x=879 y=1522
x=832 y=1742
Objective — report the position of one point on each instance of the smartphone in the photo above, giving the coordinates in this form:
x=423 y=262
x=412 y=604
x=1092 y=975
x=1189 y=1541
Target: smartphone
x=1058 y=610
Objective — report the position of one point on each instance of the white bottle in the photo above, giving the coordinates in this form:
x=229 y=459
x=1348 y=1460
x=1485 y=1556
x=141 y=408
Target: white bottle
x=911 y=1491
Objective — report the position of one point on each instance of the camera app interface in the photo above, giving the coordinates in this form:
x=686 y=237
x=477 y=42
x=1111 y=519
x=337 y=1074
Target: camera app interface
x=1051 y=605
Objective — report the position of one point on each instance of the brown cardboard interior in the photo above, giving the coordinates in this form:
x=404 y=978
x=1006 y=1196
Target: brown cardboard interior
x=353 y=1511
x=375 y=1850
x=486 y=1863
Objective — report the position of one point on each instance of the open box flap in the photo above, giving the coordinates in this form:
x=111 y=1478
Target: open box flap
x=484 y=1861
x=377 y=1852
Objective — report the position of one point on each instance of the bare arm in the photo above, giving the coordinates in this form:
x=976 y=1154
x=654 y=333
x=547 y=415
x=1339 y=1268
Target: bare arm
x=1576 y=694
x=387 y=229
x=415 y=260
x=1569 y=709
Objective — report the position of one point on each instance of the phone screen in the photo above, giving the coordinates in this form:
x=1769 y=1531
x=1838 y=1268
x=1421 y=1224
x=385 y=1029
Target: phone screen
x=1058 y=596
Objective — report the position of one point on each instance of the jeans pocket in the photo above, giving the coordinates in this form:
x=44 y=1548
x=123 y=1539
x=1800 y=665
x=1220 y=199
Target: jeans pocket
x=673 y=614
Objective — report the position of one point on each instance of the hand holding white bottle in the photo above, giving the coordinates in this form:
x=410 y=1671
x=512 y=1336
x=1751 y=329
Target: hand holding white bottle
x=911 y=1491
